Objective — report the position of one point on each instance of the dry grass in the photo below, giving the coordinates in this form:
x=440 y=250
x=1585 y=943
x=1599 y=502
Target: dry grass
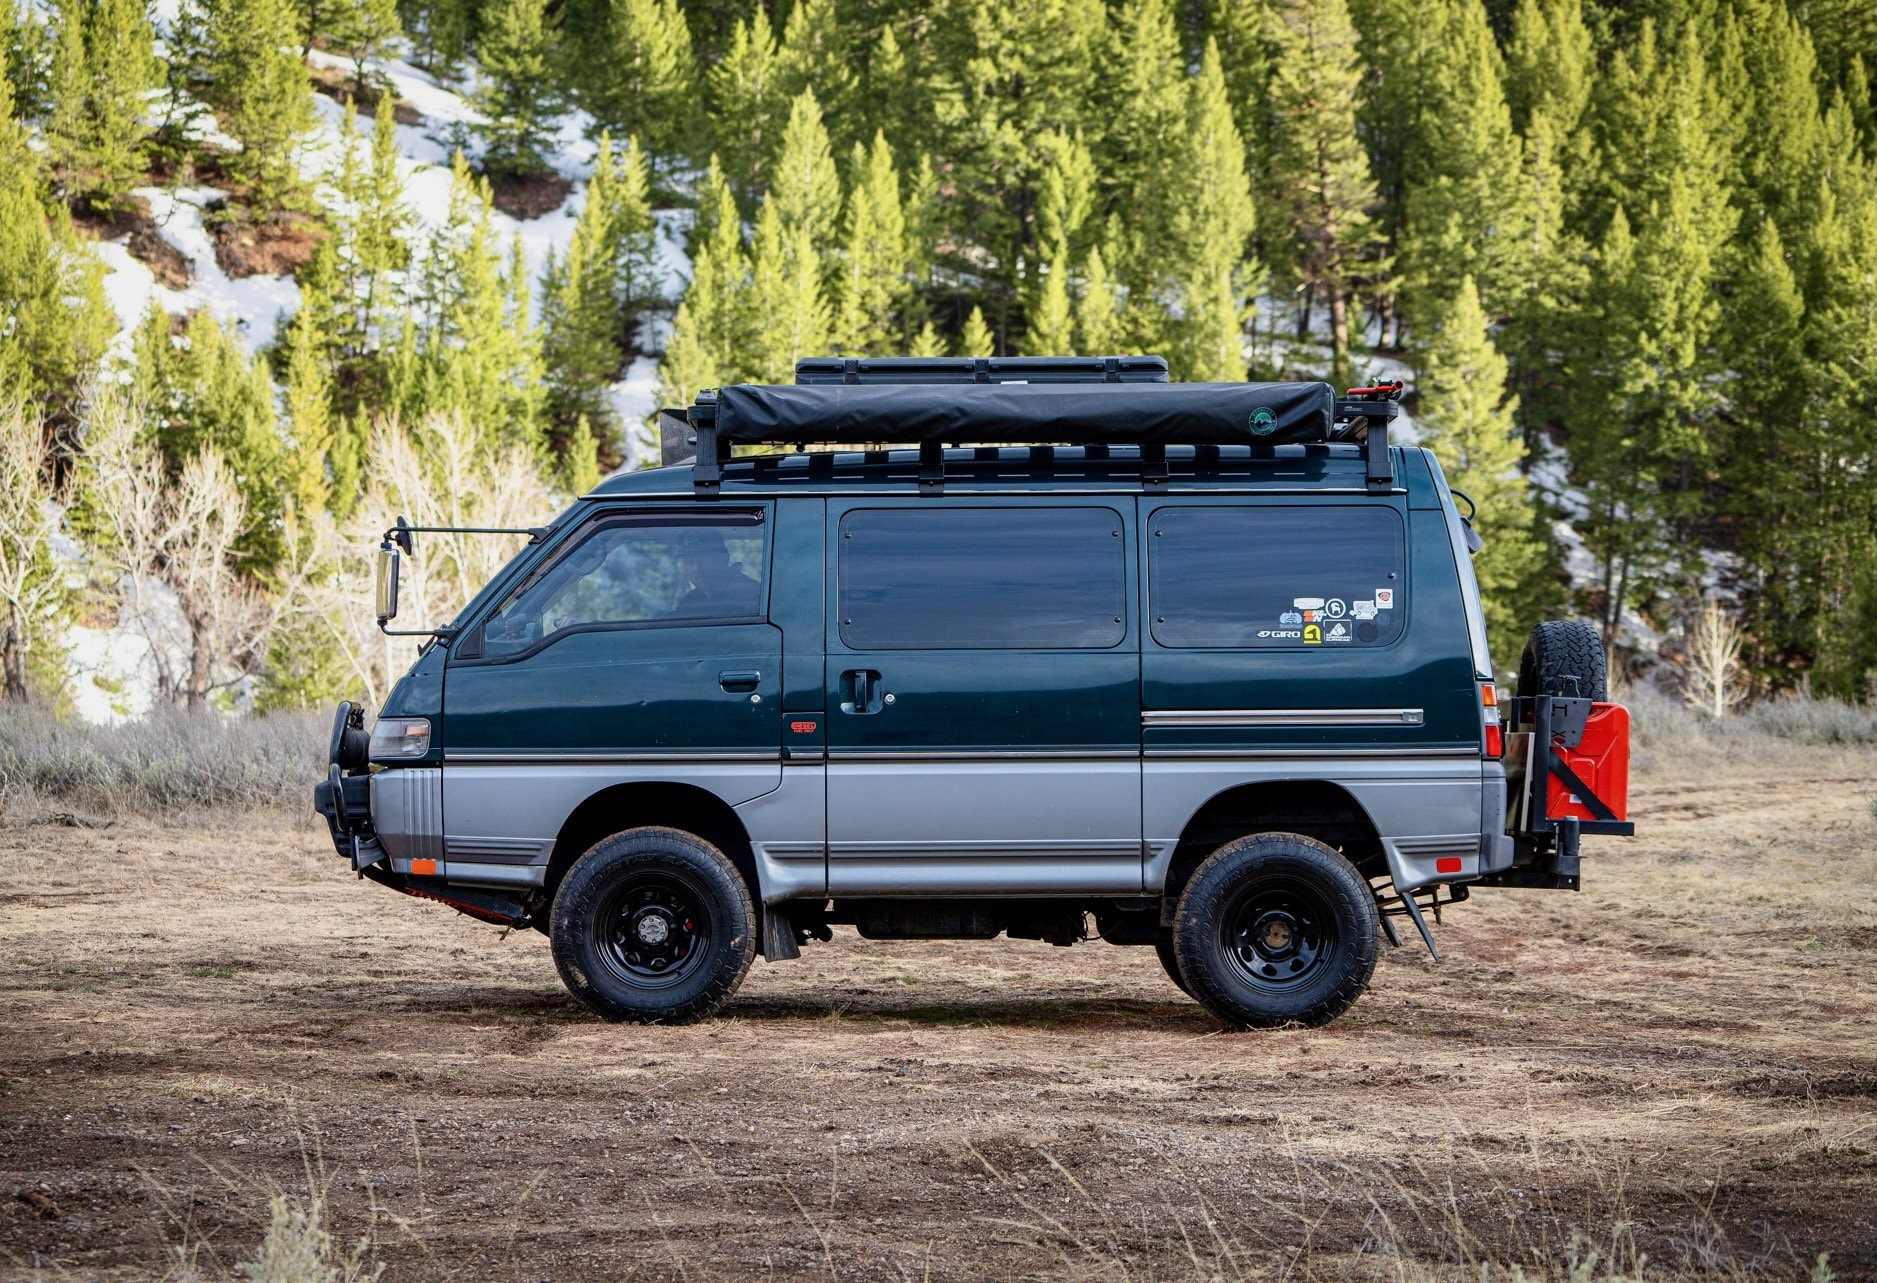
x=158 y=766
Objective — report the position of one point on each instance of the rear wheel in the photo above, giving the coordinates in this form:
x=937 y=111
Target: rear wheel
x=653 y=925
x=1276 y=929
x=1564 y=657
x=1164 y=949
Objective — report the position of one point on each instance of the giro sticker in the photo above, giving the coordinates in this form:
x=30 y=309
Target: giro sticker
x=1279 y=634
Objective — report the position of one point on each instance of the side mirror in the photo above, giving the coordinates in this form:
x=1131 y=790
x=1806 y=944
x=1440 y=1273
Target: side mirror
x=388 y=561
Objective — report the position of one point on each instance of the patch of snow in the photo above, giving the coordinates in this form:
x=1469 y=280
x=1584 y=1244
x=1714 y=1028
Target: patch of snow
x=252 y=306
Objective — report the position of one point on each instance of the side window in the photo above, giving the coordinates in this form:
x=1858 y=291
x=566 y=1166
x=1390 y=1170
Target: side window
x=1257 y=577
x=989 y=578
x=638 y=569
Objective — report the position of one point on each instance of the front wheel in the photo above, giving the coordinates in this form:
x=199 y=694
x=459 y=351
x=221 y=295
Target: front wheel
x=653 y=925
x=1276 y=929
x=1171 y=963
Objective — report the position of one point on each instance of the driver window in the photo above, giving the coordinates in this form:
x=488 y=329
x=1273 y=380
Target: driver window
x=638 y=569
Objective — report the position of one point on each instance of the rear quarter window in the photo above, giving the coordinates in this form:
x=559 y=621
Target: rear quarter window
x=1274 y=578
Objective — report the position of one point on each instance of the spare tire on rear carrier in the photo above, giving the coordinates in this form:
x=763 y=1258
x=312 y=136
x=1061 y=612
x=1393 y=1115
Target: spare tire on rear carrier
x=1564 y=657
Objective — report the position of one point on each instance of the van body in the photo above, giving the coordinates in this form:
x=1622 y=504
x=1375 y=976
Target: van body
x=1059 y=690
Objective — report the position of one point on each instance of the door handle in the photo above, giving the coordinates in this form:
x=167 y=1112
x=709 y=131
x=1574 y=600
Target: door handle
x=739 y=680
x=860 y=691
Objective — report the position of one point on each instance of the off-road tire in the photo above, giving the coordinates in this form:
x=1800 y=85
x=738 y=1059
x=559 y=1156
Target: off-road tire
x=1564 y=657
x=1286 y=885
x=1164 y=950
x=652 y=872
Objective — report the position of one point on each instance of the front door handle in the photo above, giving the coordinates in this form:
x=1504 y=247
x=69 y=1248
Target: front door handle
x=739 y=681
x=860 y=691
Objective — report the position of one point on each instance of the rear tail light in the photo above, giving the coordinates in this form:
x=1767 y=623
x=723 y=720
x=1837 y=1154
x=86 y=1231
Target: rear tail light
x=1489 y=716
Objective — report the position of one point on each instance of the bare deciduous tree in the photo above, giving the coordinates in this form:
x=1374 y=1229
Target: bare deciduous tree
x=444 y=472
x=170 y=554
x=1713 y=678
x=32 y=585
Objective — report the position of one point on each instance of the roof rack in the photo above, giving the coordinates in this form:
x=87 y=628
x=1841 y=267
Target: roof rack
x=1086 y=401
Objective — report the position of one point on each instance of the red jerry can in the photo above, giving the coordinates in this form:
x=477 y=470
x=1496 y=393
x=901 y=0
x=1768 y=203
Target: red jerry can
x=1601 y=760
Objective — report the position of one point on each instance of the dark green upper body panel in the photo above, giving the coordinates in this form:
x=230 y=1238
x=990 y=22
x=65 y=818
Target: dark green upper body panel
x=636 y=689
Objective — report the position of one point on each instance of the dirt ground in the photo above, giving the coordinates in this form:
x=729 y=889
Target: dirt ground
x=1679 y=1060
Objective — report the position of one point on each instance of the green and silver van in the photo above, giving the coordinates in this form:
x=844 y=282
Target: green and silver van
x=1088 y=655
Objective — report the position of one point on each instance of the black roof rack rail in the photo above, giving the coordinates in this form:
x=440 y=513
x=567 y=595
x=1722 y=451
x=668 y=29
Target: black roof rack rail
x=1085 y=401
x=866 y=370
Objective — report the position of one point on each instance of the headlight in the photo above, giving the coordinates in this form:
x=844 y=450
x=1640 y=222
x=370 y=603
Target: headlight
x=396 y=737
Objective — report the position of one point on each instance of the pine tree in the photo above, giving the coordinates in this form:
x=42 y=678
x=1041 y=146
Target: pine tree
x=887 y=100
x=999 y=78
x=873 y=286
x=814 y=57
x=580 y=324
x=976 y=338
x=804 y=185
x=580 y=467
x=360 y=29
x=1213 y=219
x=104 y=69
x=1768 y=461
x=1549 y=64
x=368 y=256
x=1145 y=94
x=439 y=32
x=1402 y=48
x=1065 y=195
x=1052 y=323
x=926 y=343
x=249 y=51
x=788 y=310
x=745 y=92
x=642 y=82
x=26 y=46
x=1545 y=303
x=51 y=290
x=631 y=234
x=1097 y=313
x=711 y=340
x=516 y=91
x=1468 y=421
x=1239 y=29
x=1836 y=264
x=1784 y=120
x=207 y=394
x=1324 y=192
x=1465 y=214
x=477 y=352
x=310 y=421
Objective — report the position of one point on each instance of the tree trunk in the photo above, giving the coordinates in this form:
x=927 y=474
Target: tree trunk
x=201 y=669
x=13 y=661
x=1339 y=337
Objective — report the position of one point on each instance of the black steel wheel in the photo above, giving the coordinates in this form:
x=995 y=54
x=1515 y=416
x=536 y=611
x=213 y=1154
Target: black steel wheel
x=653 y=925
x=1276 y=929
x=1164 y=949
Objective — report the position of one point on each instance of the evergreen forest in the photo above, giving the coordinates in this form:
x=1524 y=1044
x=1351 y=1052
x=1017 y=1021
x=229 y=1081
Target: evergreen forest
x=1623 y=254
